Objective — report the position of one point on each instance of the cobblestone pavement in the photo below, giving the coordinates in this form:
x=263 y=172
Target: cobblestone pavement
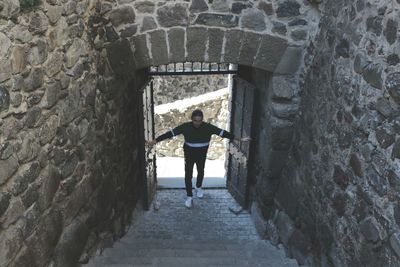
x=211 y=218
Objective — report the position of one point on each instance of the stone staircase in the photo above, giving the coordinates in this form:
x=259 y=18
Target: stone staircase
x=215 y=232
x=173 y=253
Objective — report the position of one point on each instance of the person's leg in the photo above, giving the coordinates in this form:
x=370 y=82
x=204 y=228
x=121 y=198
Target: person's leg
x=200 y=164
x=189 y=162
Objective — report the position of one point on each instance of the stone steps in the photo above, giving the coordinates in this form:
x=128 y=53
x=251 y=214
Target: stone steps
x=144 y=252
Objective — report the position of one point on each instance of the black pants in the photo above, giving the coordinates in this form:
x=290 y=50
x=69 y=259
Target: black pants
x=194 y=155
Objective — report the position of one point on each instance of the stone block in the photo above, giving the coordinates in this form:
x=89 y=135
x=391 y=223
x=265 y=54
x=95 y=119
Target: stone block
x=385 y=137
x=39 y=23
x=145 y=6
x=159 y=49
x=253 y=19
x=7 y=168
x=54 y=13
x=42 y=242
x=32 y=117
x=34 y=80
x=215 y=41
x=4 y=99
x=372 y=74
x=217 y=20
x=54 y=64
x=372 y=230
x=249 y=48
x=19 y=58
x=75 y=51
x=374 y=24
x=10 y=242
x=51 y=181
x=267 y=8
x=355 y=164
x=393 y=59
x=283 y=87
x=395 y=243
x=4 y=202
x=285 y=227
x=71 y=244
x=271 y=52
x=289 y=8
x=196 y=39
x=198 y=6
x=340 y=177
x=141 y=54
x=124 y=14
x=13 y=213
x=129 y=31
x=383 y=107
x=392 y=84
x=148 y=24
x=9 y=9
x=339 y=203
x=290 y=61
x=173 y=15
x=176 y=42
x=391 y=31
x=281 y=138
x=234 y=39
x=396 y=150
x=286 y=111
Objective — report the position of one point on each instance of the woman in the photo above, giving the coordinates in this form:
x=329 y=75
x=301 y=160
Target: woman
x=197 y=136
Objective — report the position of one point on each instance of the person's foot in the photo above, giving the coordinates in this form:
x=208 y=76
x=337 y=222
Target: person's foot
x=199 y=192
x=189 y=202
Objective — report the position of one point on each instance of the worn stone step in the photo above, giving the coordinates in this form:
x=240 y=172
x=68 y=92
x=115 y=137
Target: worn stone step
x=190 y=261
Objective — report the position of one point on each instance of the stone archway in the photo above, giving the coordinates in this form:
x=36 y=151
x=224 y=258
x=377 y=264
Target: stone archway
x=270 y=37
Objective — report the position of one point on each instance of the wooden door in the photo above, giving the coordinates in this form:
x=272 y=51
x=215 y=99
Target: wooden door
x=239 y=152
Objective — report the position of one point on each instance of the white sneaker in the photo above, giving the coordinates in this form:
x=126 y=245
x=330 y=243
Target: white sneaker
x=199 y=192
x=189 y=202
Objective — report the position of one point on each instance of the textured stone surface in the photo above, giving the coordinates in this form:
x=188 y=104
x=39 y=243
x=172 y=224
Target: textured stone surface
x=253 y=19
x=226 y=21
x=176 y=42
x=121 y=15
x=288 y=8
x=198 y=6
x=159 y=47
x=270 y=53
x=141 y=54
x=196 y=39
x=372 y=74
x=234 y=40
x=391 y=31
x=145 y=6
x=8 y=168
x=4 y=99
x=249 y=49
x=72 y=241
x=371 y=230
x=392 y=84
x=215 y=42
x=148 y=24
x=172 y=15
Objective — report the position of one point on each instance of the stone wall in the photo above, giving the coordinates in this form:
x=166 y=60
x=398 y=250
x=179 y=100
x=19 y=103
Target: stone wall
x=338 y=198
x=69 y=141
x=215 y=108
x=168 y=89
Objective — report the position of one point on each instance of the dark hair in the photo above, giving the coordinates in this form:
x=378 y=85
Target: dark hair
x=197 y=113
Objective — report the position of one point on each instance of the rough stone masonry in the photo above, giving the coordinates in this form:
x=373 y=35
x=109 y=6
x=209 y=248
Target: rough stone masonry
x=328 y=144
